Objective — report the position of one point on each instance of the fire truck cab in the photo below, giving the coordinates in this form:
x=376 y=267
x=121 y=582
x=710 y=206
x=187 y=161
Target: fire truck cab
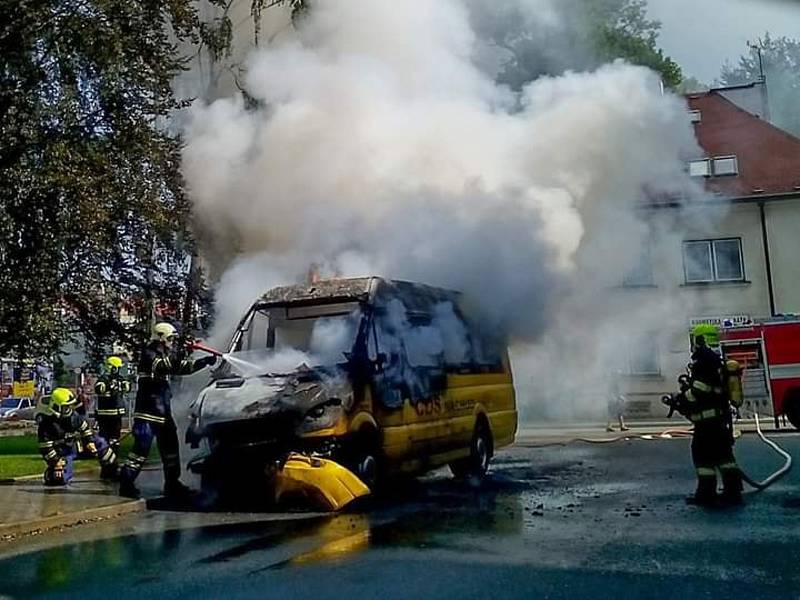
x=769 y=352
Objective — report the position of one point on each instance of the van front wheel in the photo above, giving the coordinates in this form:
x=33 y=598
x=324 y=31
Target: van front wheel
x=363 y=458
x=476 y=464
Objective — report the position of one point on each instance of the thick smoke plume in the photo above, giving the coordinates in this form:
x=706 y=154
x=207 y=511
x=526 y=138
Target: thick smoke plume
x=383 y=145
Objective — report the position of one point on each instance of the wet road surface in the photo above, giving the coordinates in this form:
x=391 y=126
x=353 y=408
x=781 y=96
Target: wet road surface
x=557 y=522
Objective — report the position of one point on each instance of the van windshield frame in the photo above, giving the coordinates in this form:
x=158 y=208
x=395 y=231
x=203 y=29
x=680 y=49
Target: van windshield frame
x=260 y=332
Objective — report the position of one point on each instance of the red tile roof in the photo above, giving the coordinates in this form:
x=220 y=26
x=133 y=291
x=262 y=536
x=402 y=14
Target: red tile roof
x=768 y=157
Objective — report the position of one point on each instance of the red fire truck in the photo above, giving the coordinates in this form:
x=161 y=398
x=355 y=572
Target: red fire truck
x=769 y=352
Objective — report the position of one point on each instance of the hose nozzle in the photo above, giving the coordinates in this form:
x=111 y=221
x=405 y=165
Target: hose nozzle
x=195 y=345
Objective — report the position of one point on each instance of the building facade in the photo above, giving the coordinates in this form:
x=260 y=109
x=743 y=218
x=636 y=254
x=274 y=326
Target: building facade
x=736 y=255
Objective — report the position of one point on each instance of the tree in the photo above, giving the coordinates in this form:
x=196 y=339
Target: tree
x=588 y=33
x=780 y=58
x=94 y=214
x=622 y=30
x=691 y=85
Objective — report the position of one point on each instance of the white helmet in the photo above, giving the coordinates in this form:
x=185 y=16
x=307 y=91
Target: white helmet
x=163 y=332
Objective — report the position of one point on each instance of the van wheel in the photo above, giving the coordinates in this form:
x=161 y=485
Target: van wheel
x=480 y=453
x=791 y=407
x=365 y=458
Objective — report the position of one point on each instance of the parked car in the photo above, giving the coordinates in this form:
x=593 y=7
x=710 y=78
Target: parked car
x=17 y=409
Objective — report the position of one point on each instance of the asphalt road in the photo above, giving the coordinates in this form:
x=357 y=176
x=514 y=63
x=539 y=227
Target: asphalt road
x=574 y=521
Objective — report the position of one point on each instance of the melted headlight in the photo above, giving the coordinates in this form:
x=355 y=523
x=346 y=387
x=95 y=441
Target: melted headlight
x=322 y=416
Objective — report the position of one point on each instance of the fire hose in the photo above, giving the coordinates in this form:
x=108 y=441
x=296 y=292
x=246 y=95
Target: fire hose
x=787 y=465
x=757 y=485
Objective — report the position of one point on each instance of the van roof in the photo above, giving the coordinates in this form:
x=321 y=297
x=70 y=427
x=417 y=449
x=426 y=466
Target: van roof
x=359 y=289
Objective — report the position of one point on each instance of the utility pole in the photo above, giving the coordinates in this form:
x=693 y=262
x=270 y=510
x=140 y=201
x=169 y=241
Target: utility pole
x=762 y=79
x=757 y=48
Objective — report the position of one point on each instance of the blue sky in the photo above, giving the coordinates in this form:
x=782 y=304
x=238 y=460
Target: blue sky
x=701 y=34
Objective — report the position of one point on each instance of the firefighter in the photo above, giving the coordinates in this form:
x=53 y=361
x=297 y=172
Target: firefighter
x=152 y=417
x=110 y=388
x=708 y=407
x=60 y=428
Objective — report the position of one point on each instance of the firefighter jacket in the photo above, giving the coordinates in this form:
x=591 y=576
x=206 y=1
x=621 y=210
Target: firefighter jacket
x=156 y=366
x=110 y=389
x=706 y=398
x=58 y=435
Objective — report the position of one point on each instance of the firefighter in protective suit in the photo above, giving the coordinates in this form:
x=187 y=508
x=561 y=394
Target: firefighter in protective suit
x=707 y=405
x=152 y=417
x=60 y=429
x=110 y=389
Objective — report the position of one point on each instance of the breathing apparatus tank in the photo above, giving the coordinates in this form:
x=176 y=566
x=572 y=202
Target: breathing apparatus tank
x=733 y=382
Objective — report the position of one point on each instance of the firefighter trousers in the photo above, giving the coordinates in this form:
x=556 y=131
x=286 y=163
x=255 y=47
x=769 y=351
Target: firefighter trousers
x=712 y=451
x=109 y=428
x=60 y=472
x=166 y=436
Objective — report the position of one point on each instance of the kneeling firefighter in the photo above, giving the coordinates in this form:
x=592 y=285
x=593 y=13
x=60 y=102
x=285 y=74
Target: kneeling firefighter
x=110 y=389
x=152 y=417
x=60 y=429
x=706 y=402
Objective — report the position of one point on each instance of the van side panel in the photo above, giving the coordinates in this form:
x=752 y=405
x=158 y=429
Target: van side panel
x=435 y=431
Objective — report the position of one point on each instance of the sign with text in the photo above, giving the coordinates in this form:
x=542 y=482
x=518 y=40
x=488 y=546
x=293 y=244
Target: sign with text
x=726 y=321
x=23 y=389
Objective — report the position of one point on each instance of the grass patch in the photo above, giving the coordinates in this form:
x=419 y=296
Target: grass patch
x=19 y=456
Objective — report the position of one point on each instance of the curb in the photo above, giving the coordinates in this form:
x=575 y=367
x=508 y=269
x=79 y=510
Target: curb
x=37 y=526
x=38 y=476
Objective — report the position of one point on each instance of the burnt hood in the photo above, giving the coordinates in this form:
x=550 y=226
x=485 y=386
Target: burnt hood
x=236 y=399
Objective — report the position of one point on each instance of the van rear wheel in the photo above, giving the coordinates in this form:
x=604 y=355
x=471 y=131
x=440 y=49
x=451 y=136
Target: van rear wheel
x=476 y=464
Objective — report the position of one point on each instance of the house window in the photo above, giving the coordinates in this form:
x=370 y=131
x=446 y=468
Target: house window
x=695 y=116
x=726 y=165
x=713 y=260
x=643 y=356
x=700 y=168
x=642 y=272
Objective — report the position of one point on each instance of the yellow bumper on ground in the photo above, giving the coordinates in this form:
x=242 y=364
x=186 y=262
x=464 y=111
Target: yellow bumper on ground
x=323 y=483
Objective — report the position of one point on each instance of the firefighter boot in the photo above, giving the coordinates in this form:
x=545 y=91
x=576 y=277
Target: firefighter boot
x=127 y=488
x=731 y=485
x=53 y=478
x=109 y=472
x=706 y=493
x=175 y=491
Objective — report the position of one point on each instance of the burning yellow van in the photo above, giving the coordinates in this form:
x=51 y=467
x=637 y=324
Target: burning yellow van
x=358 y=376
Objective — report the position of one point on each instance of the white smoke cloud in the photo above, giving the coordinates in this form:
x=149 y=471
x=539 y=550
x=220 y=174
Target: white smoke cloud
x=383 y=147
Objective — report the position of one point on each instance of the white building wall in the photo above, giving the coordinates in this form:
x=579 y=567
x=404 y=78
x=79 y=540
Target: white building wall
x=678 y=302
x=783 y=231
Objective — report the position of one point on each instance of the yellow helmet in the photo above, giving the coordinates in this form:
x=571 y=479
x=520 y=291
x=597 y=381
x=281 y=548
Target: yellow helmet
x=707 y=331
x=163 y=331
x=113 y=363
x=62 y=401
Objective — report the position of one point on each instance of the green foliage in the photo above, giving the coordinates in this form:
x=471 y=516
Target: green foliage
x=583 y=35
x=61 y=376
x=621 y=30
x=691 y=84
x=217 y=36
x=781 y=64
x=299 y=9
x=92 y=196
